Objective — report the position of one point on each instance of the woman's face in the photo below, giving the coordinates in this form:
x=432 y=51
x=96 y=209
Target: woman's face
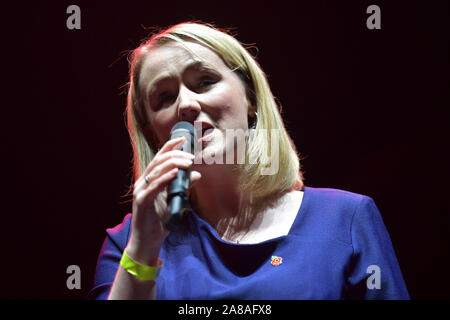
x=177 y=86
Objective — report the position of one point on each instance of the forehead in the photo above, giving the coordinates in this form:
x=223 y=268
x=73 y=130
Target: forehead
x=172 y=58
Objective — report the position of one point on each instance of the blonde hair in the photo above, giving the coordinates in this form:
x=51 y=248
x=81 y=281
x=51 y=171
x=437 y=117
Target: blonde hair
x=237 y=58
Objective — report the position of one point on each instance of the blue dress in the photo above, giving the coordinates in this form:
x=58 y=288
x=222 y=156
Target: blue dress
x=337 y=248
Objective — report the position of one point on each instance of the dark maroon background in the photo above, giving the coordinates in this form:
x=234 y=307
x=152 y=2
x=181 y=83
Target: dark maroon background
x=366 y=108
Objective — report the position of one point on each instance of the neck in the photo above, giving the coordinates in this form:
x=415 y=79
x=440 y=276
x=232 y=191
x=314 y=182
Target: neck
x=217 y=200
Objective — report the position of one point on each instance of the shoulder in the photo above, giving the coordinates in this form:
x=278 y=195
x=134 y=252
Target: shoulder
x=335 y=200
x=121 y=232
x=332 y=194
x=341 y=202
x=331 y=211
x=109 y=257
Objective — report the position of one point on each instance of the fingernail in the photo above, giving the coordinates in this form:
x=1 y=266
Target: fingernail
x=178 y=140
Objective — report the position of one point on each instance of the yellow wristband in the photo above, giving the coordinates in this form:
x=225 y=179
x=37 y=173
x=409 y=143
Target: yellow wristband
x=140 y=271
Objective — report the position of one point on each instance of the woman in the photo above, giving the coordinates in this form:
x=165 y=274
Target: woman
x=254 y=232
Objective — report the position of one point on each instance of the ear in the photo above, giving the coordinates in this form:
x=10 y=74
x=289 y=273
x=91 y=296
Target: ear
x=251 y=116
x=251 y=111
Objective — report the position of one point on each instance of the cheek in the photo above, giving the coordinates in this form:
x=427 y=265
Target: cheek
x=235 y=115
x=161 y=124
x=233 y=106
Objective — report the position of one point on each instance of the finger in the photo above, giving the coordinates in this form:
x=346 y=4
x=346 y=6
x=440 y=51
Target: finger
x=172 y=154
x=168 y=165
x=159 y=184
x=194 y=178
x=158 y=159
x=165 y=166
x=169 y=146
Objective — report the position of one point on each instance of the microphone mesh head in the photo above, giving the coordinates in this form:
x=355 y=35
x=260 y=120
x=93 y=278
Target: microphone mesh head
x=184 y=129
x=183 y=125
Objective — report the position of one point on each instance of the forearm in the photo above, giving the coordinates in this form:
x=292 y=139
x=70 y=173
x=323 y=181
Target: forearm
x=128 y=287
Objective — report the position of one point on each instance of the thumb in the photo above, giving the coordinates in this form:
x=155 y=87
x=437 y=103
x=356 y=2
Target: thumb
x=195 y=176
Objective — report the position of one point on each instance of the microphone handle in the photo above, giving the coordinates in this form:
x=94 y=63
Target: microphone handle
x=177 y=191
x=178 y=199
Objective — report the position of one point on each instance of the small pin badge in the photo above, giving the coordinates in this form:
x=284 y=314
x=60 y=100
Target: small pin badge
x=276 y=261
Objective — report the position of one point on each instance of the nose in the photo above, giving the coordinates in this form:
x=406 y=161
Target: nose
x=188 y=107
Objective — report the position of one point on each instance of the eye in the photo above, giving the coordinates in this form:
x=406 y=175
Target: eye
x=206 y=81
x=165 y=97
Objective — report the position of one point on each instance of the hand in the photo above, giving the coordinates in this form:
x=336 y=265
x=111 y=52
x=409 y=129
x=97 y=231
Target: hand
x=149 y=201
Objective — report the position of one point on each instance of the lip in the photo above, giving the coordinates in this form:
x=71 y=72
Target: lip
x=208 y=137
x=202 y=126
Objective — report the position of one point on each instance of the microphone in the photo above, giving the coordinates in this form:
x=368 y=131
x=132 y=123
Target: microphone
x=177 y=191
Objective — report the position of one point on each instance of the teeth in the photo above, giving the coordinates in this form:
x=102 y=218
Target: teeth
x=202 y=129
x=207 y=129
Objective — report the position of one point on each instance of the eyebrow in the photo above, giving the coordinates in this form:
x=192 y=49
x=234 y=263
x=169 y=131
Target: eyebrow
x=196 y=64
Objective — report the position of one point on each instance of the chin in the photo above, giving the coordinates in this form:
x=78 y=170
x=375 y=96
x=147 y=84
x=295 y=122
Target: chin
x=211 y=154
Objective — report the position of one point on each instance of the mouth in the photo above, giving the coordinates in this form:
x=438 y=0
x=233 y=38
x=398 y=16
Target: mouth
x=203 y=130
